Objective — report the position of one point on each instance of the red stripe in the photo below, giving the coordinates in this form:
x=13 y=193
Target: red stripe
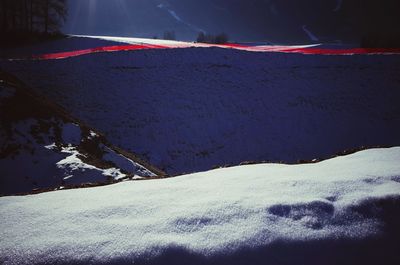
x=344 y=51
x=233 y=45
x=286 y=49
x=62 y=55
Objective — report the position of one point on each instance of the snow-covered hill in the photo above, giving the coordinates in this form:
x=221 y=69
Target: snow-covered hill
x=259 y=20
x=340 y=211
x=278 y=21
x=141 y=18
x=188 y=110
x=42 y=147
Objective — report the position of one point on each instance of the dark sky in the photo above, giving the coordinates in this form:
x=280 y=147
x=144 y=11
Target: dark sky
x=278 y=21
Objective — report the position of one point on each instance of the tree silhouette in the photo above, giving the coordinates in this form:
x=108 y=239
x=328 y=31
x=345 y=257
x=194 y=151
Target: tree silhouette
x=209 y=38
x=169 y=35
x=22 y=16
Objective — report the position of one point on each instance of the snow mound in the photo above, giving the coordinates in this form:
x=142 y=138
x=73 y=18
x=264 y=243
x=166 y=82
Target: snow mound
x=340 y=211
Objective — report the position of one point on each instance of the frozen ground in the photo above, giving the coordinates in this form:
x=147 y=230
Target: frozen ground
x=187 y=110
x=41 y=147
x=340 y=211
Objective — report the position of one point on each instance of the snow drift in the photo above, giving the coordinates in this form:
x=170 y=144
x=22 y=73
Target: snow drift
x=340 y=211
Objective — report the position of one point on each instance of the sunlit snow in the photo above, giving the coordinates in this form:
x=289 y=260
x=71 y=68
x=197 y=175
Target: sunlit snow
x=223 y=211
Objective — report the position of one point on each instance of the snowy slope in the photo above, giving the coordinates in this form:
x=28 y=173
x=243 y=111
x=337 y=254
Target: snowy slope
x=42 y=147
x=340 y=211
x=243 y=20
x=144 y=18
x=187 y=110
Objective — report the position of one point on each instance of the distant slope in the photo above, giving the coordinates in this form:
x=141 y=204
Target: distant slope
x=43 y=148
x=276 y=21
x=188 y=110
x=341 y=211
x=279 y=21
x=140 y=18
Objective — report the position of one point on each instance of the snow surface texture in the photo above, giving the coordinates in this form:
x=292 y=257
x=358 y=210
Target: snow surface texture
x=60 y=45
x=40 y=163
x=39 y=149
x=188 y=110
x=254 y=214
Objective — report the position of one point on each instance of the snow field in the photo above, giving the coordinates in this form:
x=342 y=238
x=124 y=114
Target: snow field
x=189 y=110
x=206 y=214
